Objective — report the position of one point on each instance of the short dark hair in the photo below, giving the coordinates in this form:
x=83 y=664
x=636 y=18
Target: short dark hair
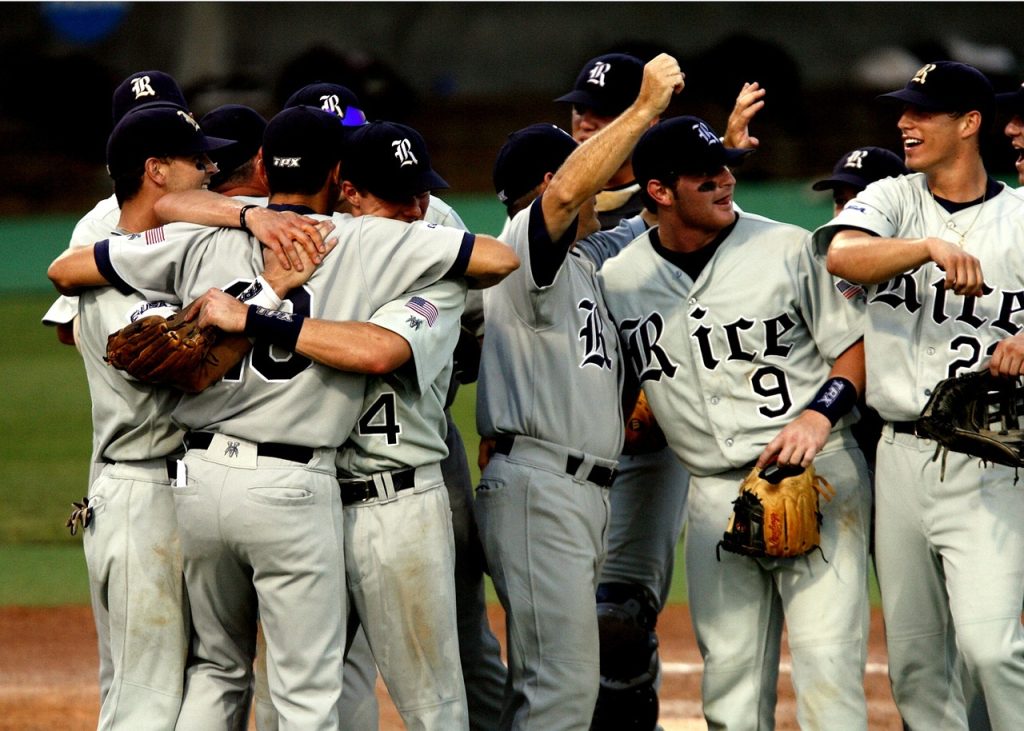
x=127 y=186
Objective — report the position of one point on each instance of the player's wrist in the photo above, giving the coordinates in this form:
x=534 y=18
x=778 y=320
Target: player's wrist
x=835 y=399
x=273 y=326
x=243 y=212
x=262 y=294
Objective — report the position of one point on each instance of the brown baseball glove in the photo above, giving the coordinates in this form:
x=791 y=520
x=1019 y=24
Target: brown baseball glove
x=643 y=435
x=778 y=516
x=161 y=350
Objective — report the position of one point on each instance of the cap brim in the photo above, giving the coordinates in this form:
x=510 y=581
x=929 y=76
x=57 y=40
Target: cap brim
x=588 y=100
x=1013 y=100
x=916 y=98
x=215 y=143
x=840 y=179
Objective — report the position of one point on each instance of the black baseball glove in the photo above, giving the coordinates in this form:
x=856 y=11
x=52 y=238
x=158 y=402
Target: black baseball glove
x=977 y=414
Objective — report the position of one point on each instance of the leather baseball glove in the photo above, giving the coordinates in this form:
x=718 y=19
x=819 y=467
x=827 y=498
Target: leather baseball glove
x=162 y=350
x=977 y=414
x=643 y=435
x=778 y=516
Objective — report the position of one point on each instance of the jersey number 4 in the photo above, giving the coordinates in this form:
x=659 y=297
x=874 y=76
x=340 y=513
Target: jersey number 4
x=381 y=418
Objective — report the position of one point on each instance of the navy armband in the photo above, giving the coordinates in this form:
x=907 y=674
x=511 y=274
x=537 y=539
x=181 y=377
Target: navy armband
x=835 y=399
x=458 y=268
x=273 y=326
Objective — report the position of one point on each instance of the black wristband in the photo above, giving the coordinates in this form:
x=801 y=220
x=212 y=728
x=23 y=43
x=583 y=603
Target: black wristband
x=241 y=216
x=273 y=326
x=835 y=399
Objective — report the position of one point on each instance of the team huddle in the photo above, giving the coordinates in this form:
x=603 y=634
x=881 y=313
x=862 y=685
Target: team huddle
x=269 y=527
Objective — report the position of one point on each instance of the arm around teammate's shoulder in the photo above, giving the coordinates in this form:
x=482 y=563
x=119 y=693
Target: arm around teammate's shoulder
x=75 y=270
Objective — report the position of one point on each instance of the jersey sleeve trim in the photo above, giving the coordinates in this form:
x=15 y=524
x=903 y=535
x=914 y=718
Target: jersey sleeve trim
x=461 y=263
x=101 y=253
x=547 y=256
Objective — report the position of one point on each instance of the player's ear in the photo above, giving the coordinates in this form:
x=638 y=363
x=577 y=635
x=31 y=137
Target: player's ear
x=155 y=169
x=350 y=194
x=261 y=170
x=659 y=192
x=970 y=124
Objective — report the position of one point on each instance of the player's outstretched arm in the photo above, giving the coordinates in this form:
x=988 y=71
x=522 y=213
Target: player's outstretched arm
x=737 y=130
x=490 y=262
x=858 y=256
x=590 y=166
x=284 y=232
x=801 y=439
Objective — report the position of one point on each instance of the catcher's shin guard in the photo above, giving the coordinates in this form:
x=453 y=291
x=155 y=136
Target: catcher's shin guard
x=628 y=699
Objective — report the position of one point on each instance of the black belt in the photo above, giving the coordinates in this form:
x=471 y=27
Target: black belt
x=170 y=464
x=601 y=476
x=356 y=491
x=905 y=427
x=290 y=452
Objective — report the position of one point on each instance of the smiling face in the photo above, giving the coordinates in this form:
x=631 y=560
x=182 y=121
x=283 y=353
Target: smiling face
x=1015 y=131
x=695 y=208
x=188 y=172
x=931 y=139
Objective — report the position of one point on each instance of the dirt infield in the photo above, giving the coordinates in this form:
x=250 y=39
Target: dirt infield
x=48 y=674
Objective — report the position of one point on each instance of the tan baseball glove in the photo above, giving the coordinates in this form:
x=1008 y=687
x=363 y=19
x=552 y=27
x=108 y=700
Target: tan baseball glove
x=780 y=518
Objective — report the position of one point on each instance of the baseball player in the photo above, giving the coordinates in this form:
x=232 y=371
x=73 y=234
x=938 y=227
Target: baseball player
x=648 y=499
x=542 y=502
x=1013 y=102
x=142 y=88
x=940 y=252
x=398 y=527
x=483 y=670
x=257 y=497
x=735 y=332
x=131 y=541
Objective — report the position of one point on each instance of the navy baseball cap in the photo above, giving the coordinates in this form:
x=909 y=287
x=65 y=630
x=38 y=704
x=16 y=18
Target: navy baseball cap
x=144 y=88
x=863 y=166
x=607 y=84
x=300 y=145
x=947 y=86
x=240 y=123
x=334 y=98
x=1012 y=101
x=681 y=146
x=527 y=156
x=390 y=160
x=156 y=131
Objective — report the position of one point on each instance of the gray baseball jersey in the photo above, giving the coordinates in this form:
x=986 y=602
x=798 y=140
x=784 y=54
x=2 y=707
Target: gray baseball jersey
x=949 y=549
x=357 y=278
x=752 y=349
x=402 y=423
x=726 y=361
x=547 y=340
x=916 y=332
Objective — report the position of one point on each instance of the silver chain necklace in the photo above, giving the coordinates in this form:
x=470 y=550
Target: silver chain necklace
x=951 y=224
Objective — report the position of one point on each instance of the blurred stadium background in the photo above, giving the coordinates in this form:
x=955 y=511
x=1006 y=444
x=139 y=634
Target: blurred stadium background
x=465 y=74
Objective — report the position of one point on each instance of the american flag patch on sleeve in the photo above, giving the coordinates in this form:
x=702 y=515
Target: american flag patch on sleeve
x=155 y=235
x=424 y=308
x=849 y=290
